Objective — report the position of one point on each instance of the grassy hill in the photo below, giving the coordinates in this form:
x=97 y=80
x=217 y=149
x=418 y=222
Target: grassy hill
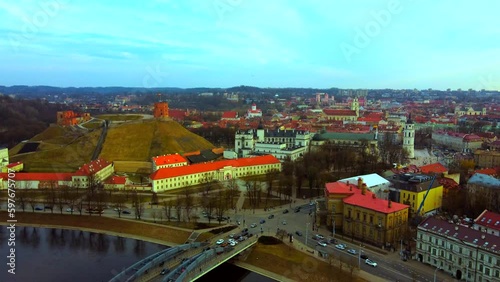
x=65 y=149
x=140 y=140
x=61 y=149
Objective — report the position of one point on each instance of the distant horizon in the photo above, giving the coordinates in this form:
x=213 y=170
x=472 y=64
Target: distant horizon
x=328 y=88
x=361 y=44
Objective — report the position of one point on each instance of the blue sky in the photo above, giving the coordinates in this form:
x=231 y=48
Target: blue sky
x=222 y=43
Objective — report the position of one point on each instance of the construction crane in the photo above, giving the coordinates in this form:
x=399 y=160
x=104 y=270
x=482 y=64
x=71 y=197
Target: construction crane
x=418 y=217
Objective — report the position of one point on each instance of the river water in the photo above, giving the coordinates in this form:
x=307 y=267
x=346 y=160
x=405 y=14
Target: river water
x=55 y=255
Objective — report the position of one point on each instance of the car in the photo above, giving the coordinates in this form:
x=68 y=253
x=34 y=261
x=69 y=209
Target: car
x=231 y=235
x=298 y=233
x=322 y=244
x=69 y=210
x=370 y=262
x=232 y=241
x=319 y=236
x=220 y=241
x=125 y=212
x=271 y=216
x=262 y=221
x=283 y=222
x=253 y=225
x=239 y=222
x=285 y=211
x=332 y=241
x=312 y=203
x=340 y=247
x=297 y=210
x=352 y=251
x=38 y=208
x=164 y=271
x=232 y=244
x=364 y=256
x=224 y=244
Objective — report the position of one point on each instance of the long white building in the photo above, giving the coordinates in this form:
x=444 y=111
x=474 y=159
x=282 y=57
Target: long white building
x=465 y=253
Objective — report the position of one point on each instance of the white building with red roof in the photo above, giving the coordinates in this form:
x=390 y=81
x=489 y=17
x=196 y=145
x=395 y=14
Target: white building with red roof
x=95 y=171
x=230 y=115
x=488 y=222
x=183 y=176
x=171 y=160
x=37 y=180
x=254 y=112
x=462 y=142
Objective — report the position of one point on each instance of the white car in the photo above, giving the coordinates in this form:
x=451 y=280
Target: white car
x=352 y=251
x=220 y=241
x=370 y=262
x=322 y=244
x=69 y=210
x=232 y=241
x=284 y=222
x=232 y=244
x=340 y=247
x=253 y=225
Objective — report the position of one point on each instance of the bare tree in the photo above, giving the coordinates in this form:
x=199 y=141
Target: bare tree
x=61 y=199
x=233 y=191
x=220 y=206
x=137 y=204
x=188 y=203
x=31 y=199
x=167 y=208
x=178 y=207
x=101 y=199
x=51 y=196
x=154 y=215
x=119 y=201
x=22 y=198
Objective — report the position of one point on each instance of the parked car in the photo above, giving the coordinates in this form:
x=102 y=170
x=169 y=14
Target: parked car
x=319 y=236
x=220 y=241
x=322 y=244
x=271 y=216
x=364 y=256
x=253 y=225
x=164 y=271
x=283 y=222
x=69 y=210
x=125 y=212
x=298 y=233
x=231 y=235
x=332 y=241
x=297 y=210
x=370 y=262
x=262 y=221
x=38 y=208
x=352 y=251
x=285 y=211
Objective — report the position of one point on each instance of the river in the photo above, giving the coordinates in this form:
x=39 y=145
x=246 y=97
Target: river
x=54 y=255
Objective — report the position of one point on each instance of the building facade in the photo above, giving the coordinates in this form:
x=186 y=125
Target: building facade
x=160 y=110
x=183 y=176
x=409 y=138
x=460 y=142
x=465 y=253
x=486 y=158
x=172 y=160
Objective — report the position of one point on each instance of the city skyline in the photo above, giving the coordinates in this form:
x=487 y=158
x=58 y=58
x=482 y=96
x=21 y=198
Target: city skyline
x=224 y=43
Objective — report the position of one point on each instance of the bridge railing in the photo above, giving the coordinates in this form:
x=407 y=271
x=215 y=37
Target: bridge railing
x=205 y=256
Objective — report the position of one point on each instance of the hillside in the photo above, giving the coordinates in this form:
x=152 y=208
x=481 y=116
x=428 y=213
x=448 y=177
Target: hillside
x=65 y=149
x=60 y=149
x=141 y=140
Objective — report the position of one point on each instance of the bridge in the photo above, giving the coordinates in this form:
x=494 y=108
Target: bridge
x=186 y=262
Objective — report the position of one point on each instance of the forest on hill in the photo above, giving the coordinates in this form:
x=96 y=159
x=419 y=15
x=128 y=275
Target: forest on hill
x=22 y=119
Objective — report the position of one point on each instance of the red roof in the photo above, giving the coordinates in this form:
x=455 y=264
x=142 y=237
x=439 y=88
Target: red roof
x=116 y=180
x=433 y=168
x=205 y=167
x=93 y=167
x=488 y=171
x=230 y=114
x=488 y=219
x=169 y=159
x=40 y=176
x=367 y=201
x=13 y=164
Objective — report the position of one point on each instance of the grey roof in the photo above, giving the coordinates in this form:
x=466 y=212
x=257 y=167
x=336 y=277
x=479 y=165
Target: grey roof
x=344 y=136
x=283 y=133
x=484 y=180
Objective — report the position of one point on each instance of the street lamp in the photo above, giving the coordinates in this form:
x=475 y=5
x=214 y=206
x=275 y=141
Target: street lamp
x=307 y=228
x=435 y=271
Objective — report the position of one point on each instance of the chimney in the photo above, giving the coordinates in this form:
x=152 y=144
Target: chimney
x=363 y=189
x=389 y=203
x=360 y=183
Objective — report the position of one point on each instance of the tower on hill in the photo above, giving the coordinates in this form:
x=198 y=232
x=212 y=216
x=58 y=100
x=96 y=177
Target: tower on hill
x=409 y=138
x=160 y=110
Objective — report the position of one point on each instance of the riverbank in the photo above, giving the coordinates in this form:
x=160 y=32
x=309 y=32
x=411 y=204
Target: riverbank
x=150 y=232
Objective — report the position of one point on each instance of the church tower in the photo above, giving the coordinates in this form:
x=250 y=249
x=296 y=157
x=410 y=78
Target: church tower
x=355 y=106
x=409 y=138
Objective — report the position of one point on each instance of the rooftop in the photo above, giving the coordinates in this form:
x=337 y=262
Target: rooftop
x=488 y=219
x=433 y=168
x=484 y=180
x=169 y=159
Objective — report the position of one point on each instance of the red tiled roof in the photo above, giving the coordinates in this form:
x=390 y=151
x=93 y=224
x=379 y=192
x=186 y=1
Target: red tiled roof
x=13 y=164
x=205 y=167
x=169 y=159
x=448 y=183
x=488 y=171
x=230 y=114
x=40 y=176
x=116 y=180
x=93 y=167
x=488 y=219
x=366 y=201
x=433 y=168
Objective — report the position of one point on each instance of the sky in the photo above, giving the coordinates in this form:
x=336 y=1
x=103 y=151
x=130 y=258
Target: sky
x=373 y=44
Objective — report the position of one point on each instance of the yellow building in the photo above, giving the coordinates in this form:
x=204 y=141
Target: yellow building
x=17 y=166
x=361 y=215
x=411 y=188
